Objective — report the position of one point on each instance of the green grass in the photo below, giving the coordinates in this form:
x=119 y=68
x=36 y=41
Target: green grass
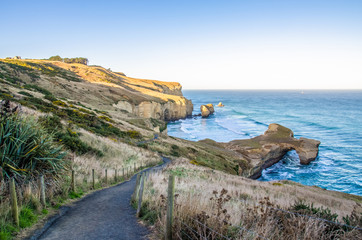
x=74 y=195
x=27 y=217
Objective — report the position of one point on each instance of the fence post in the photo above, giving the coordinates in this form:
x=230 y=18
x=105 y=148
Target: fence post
x=14 y=202
x=140 y=194
x=134 y=167
x=1 y=175
x=127 y=172
x=115 y=175
x=93 y=180
x=136 y=189
x=170 y=202
x=73 y=181
x=123 y=174
x=42 y=190
x=106 y=177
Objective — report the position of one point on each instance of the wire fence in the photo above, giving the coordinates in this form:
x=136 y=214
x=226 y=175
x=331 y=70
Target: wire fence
x=190 y=227
x=16 y=193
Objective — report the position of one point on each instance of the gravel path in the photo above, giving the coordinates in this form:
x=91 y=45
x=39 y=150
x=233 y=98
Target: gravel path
x=105 y=214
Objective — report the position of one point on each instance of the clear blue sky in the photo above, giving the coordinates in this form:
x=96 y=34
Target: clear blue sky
x=201 y=44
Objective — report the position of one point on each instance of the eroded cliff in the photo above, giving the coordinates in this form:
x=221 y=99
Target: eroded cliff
x=101 y=88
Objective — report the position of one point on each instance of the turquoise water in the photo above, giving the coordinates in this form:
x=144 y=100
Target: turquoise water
x=332 y=117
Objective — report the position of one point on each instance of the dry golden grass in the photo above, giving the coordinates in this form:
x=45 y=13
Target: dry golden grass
x=117 y=155
x=195 y=186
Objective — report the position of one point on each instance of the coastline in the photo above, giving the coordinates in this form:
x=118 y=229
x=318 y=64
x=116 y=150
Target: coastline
x=318 y=120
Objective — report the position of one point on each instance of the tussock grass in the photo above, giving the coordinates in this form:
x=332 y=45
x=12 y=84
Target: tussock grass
x=200 y=190
x=117 y=155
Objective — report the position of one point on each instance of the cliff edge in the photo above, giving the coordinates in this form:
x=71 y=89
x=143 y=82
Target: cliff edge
x=265 y=150
x=101 y=88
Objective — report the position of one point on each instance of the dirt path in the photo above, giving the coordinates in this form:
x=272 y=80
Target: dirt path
x=105 y=214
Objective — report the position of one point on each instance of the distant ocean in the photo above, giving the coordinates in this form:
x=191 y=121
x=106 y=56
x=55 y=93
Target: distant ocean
x=332 y=117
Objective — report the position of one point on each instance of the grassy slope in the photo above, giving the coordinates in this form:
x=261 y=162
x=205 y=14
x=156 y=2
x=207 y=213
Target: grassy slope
x=61 y=92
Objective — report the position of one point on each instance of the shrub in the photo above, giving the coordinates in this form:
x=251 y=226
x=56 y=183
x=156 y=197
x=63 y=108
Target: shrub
x=25 y=94
x=308 y=209
x=134 y=134
x=69 y=138
x=37 y=88
x=60 y=103
x=175 y=150
x=50 y=98
x=27 y=149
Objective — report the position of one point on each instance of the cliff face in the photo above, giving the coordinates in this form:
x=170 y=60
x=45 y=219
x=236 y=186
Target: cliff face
x=110 y=91
x=168 y=110
x=267 y=149
x=255 y=154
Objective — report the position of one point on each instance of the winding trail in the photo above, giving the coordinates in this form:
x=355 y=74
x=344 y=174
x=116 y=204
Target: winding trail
x=104 y=214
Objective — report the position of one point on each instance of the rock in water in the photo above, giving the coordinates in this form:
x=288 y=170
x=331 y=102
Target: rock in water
x=220 y=104
x=206 y=110
x=265 y=150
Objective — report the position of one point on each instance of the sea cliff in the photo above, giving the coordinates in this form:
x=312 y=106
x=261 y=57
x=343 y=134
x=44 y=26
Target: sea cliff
x=102 y=88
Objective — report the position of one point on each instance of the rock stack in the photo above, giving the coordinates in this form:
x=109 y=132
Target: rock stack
x=206 y=110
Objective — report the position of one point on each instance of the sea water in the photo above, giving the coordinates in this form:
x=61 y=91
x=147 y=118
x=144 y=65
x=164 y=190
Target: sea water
x=332 y=117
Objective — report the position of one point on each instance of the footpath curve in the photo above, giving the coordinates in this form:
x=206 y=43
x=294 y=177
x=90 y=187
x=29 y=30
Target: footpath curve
x=104 y=214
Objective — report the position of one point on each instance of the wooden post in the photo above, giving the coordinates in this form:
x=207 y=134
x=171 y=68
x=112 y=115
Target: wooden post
x=42 y=191
x=136 y=189
x=73 y=181
x=14 y=202
x=140 y=195
x=93 y=180
x=106 y=177
x=115 y=175
x=1 y=175
x=127 y=172
x=134 y=167
x=170 y=202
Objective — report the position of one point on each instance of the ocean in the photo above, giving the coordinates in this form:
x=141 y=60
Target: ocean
x=332 y=117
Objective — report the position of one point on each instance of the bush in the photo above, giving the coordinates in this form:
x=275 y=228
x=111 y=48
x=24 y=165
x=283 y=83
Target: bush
x=309 y=209
x=175 y=150
x=60 y=103
x=27 y=149
x=25 y=94
x=37 y=88
x=69 y=138
x=134 y=134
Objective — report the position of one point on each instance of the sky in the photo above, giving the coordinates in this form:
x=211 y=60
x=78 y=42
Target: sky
x=209 y=44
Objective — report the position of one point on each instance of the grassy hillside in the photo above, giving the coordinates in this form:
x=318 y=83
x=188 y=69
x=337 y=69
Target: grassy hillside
x=78 y=106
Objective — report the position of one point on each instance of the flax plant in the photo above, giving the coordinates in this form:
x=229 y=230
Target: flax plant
x=26 y=149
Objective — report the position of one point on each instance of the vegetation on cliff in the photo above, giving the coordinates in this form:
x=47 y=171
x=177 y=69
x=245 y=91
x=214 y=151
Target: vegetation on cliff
x=80 y=60
x=106 y=120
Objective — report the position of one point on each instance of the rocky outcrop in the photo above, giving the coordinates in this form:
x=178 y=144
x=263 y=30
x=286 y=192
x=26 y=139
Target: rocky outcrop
x=207 y=110
x=220 y=104
x=168 y=111
x=267 y=149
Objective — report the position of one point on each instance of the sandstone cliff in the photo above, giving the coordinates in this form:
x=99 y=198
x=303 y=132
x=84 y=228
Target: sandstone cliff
x=101 y=88
x=265 y=150
x=207 y=110
x=255 y=154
